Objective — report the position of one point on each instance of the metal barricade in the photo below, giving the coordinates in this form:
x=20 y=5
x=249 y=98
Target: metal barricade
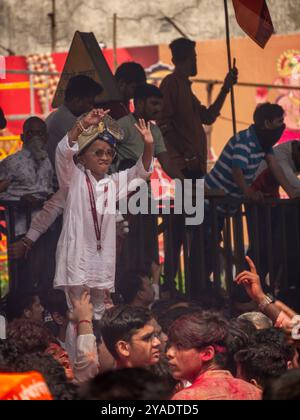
x=196 y=258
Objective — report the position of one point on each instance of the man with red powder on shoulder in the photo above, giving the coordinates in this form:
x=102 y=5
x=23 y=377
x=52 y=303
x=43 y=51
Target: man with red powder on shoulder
x=198 y=354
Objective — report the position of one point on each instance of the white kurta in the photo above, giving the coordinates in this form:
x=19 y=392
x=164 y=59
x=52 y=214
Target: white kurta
x=78 y=263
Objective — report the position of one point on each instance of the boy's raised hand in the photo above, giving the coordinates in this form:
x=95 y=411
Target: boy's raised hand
x=82 y=307
x=145 y=130
x=94 y=117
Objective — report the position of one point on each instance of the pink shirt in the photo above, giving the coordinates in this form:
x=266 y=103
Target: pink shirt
x=219 y=385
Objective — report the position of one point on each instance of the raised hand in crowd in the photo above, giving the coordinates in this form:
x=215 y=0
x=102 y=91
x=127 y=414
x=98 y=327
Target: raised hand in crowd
x=93 y=117
x=251 y=281
x=145 y=130
x=82 y=313
x=280 y=314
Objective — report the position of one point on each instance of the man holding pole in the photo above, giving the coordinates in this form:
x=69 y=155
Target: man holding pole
x=181 y=123
x=183 y=115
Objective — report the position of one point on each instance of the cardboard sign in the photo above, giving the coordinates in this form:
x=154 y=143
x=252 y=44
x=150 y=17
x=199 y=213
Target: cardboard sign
x=85 y=57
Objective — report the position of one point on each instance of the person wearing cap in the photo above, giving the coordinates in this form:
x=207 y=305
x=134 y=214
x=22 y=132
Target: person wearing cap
x=86 y=252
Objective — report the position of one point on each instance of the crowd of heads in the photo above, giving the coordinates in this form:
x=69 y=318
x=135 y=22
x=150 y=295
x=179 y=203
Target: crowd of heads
x=155 y=351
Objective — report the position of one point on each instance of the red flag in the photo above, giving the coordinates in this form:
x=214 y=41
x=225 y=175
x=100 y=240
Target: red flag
x=254 y=18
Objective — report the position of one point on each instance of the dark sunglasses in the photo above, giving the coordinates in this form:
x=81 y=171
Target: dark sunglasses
x=101 y=153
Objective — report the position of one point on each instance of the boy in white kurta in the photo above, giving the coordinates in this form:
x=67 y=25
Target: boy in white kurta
x=86 y=252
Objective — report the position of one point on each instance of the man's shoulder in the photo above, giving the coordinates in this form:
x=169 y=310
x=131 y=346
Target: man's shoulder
x=155 y=128
x=156 y=131
x=247 y=136
x=185 y=394
x=126 y=120
x=246 y=388
x=127 y=124
x=169 y=80
x=53 y=115
x=283 y=150
x=205 y=391
x=60 y=114
x=170 y=76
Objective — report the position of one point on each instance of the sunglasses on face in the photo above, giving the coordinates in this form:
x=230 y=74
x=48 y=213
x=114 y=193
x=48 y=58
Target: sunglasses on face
x=100 y=153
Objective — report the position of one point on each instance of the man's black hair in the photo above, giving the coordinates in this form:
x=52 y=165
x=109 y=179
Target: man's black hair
x=52 y=371
x=276 y=338
x=200 y=330
x=239 y=338
x=29 y=336
x=127 y=384
x=55 y=301
x=267 y=112
x=131 y=72
x=8 y=355
x=131 y=285
x=181 y=49
x=80 y=87
x=146 y=91
x=121 y=323
x=33 y=119
x=286 y=388
x=15 y=303
x=166 y=319
x=262 y=363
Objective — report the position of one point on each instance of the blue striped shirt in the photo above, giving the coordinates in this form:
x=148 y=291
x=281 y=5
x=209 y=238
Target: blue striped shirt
x=242 y=151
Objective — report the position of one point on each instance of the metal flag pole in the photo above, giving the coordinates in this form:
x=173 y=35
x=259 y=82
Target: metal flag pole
x=115 y=23
x=230 y=65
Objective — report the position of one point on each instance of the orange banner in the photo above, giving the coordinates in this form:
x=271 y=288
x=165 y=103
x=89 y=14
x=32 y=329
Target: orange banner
x=23 y=386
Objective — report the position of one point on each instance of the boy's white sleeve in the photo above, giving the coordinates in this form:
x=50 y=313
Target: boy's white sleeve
x=47 y=216
x=64 y=161
x=127 y=181
x=86 y=365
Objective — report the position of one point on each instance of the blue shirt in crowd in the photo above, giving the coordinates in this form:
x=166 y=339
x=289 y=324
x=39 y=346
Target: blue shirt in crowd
x=242 y=151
